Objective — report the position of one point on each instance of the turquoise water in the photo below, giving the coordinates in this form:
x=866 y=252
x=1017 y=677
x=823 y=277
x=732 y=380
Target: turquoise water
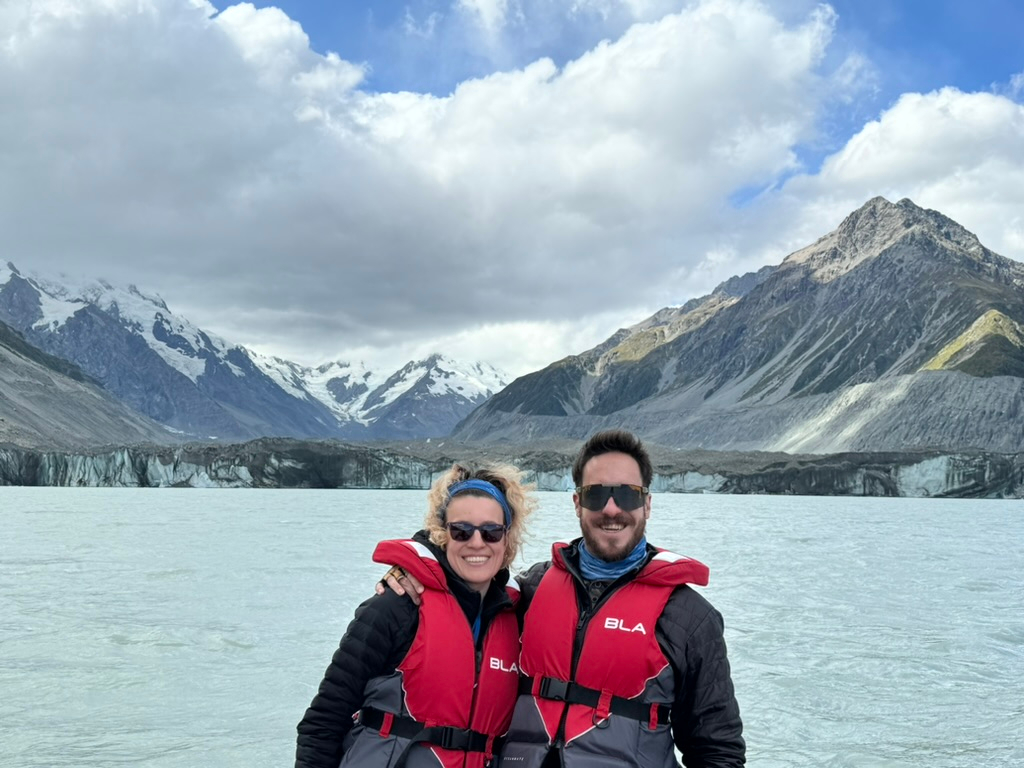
x=191 y=627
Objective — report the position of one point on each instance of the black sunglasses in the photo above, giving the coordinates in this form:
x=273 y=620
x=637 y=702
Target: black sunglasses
x=627 y=497
x=492 y=533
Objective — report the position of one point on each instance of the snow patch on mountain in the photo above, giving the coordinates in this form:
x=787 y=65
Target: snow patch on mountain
x=56 y=311
x=344 y=388
x=475 y=381
x=341 y=386
x=284 y=373
x=180 y=343
x=400 y=383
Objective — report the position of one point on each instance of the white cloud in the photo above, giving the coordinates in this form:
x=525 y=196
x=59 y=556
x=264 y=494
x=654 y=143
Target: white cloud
x=491 y=15
x=958 y=153
x=424 y=29
x=923 y=137
x=216 y=159
x=638 y=141
x=638 y=10
x=517 y=348
x=1016 y=90
x=853 y=77
x=267 y=38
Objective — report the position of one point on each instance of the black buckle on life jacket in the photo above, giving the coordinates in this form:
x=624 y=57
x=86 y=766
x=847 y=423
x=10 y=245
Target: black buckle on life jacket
x=445 y=736
x=461 y=739
x=552 y=688
x=448 y=737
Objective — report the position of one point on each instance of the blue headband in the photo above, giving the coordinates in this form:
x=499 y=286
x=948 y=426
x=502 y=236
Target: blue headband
x=480 y=485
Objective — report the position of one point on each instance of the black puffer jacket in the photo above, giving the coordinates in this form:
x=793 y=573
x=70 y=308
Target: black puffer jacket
x=706 y=725
x=376 y=641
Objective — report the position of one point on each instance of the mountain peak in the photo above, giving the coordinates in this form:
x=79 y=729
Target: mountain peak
x=879 y=215
x=879 y=222
x=872 y=229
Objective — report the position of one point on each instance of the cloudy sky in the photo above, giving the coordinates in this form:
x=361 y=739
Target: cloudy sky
x=506 y=180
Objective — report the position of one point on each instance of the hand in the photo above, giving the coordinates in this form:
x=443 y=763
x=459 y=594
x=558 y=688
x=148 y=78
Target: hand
x=401 y=583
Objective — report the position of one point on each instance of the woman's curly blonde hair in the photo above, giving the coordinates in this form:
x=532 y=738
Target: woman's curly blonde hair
x=506 y=478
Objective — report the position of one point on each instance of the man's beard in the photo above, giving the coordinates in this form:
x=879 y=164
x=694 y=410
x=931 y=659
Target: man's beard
x=598 y=551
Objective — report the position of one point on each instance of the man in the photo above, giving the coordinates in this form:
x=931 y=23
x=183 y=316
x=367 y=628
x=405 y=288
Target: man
x=621 y=659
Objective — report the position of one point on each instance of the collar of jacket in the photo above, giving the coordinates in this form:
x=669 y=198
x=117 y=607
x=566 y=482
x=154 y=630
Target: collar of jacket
x=571 y=558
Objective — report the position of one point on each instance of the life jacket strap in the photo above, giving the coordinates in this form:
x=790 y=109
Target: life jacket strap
x=552 y=688
x=444 y=736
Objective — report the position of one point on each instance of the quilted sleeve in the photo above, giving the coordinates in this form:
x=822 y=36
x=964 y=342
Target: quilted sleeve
x=706 y=724
x=373 y=645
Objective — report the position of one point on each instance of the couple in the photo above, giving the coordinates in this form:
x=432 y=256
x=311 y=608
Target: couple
x=602 y=657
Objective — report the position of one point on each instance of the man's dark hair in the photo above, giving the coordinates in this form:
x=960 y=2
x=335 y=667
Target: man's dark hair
x=613 y=441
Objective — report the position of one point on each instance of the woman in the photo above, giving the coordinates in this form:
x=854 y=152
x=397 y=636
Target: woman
x=435 y=684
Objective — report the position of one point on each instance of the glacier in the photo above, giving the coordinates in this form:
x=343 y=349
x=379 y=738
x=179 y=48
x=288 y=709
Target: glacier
x=279 y=463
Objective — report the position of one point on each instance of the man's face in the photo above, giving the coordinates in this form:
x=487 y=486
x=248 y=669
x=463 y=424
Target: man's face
x=612 y=533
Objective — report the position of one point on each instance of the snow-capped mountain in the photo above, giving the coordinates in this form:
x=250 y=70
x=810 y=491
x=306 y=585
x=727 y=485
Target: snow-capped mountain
x=167 y=368
x=431 y=396
x=425 y=398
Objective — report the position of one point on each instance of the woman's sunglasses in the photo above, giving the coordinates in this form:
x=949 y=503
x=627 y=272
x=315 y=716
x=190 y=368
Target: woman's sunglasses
x=627 y=497
x=492 y=533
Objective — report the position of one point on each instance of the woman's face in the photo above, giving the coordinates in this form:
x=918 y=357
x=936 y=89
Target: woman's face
x=476 y=561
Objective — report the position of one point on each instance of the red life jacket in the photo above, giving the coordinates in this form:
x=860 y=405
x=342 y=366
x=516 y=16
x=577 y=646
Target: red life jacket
x=618 y=653
x=440 y=681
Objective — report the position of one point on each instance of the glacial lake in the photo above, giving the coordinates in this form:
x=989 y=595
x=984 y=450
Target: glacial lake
x=185 y=627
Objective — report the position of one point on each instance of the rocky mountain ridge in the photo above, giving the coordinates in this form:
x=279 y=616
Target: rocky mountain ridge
x=46 y=401
x=897 y=331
